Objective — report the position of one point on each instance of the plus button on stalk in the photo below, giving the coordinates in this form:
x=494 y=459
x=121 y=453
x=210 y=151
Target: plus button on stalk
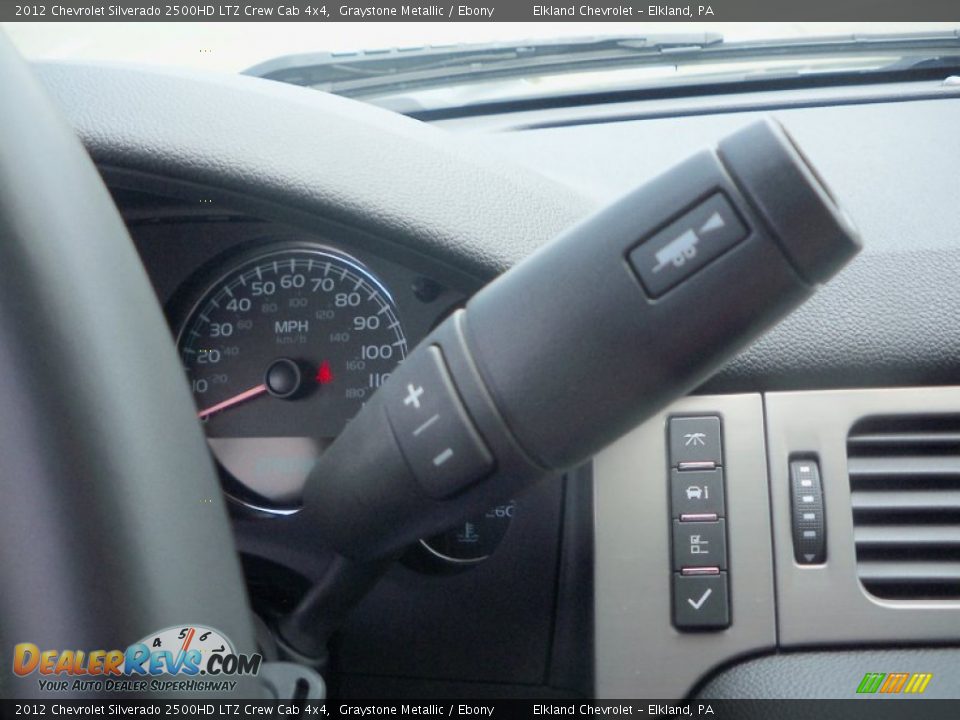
x=434 y=431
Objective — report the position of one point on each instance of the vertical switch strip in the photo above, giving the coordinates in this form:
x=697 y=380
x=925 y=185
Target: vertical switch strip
x=809 y=521
x=700 y=590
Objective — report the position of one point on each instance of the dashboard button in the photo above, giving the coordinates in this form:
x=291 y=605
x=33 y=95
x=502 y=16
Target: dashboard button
x=699 y=544
x=695 y=440
x=687 y=244
x=700 y=602
x=435 y=434
x=696 y=492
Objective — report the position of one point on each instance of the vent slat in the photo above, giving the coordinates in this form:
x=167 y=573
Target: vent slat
x=905 y=496
x=898 y=536
x=906 y=466
x=888 y=440
x=882 y=572
x=906 y=501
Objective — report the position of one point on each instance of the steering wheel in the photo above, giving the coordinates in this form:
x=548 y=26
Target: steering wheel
x=112 y=524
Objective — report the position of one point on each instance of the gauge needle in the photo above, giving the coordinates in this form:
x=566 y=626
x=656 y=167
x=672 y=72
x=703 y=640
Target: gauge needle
x=235 y=400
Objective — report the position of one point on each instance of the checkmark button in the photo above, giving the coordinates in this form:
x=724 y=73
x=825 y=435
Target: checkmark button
x=703 y=598
x=700 y=602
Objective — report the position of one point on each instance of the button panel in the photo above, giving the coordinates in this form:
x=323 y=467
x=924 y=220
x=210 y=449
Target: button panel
x=809 y=526
x=435 y=434
x=699 y=535
x=686 y=245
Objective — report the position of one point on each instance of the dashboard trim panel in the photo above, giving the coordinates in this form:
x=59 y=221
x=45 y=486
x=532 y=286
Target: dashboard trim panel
x=826 y=604
x=639 y=654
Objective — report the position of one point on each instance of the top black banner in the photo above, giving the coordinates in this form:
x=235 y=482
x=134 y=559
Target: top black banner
x=484 y=11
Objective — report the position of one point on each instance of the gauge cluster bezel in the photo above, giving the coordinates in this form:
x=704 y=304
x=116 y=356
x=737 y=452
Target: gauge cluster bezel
x=527 y=597
x=199 y=287
x=215 y=246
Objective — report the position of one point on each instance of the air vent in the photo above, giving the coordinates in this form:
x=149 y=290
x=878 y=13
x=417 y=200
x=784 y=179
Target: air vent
x=905 y=483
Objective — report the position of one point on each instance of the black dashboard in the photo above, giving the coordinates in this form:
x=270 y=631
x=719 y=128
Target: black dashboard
x=252 y=301
x=481 y=606
x=571 y=599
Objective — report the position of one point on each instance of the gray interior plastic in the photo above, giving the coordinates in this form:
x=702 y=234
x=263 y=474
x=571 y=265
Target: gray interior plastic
x=886 y=320
x=112 y=525
x=833 y=675
x=638 y=652
x=890 y=160
x=318 y=153
x=817 y=424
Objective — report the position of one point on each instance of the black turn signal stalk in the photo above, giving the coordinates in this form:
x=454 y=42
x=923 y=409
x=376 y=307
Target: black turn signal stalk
x=626 y=311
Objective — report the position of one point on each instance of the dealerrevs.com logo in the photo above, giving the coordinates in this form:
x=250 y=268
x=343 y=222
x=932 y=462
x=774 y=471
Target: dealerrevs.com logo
x=189 y=659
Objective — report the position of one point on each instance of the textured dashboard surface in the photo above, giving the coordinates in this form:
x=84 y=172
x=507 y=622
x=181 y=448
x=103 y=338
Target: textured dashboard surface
x=309 y=151
x=891 y=318
x=836 y=675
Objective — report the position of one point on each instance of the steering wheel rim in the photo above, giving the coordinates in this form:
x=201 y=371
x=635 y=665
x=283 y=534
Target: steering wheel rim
x=112 y=524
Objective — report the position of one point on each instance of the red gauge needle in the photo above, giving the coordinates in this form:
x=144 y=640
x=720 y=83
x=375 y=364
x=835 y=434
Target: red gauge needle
x=235 y=400
x=186 y=641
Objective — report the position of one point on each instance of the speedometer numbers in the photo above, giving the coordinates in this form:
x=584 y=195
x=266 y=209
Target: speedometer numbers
x=281 y=352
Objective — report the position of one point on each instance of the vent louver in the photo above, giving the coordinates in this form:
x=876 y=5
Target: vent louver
x=905 y=490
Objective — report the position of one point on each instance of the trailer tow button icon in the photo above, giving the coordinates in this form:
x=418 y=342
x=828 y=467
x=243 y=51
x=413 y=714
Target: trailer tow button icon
x=714 y=223
x=690 y=242
x=685 y=247
x=677 y=251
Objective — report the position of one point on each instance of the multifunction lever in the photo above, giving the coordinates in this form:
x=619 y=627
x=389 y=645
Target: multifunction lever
x=626 y=311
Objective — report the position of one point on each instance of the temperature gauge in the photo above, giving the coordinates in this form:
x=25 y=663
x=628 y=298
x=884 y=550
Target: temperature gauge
x=473 y=540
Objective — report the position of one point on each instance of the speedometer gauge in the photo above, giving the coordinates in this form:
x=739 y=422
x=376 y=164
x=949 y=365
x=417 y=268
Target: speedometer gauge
x=281 y=352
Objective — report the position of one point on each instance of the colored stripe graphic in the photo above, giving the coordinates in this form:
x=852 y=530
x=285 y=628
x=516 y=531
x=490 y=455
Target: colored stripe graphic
x=918 y=682
x=871 y=682
x=892 y=683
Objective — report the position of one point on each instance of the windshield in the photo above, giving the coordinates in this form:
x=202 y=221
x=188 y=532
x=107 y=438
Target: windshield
x=234 y=47
x=450 y=64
